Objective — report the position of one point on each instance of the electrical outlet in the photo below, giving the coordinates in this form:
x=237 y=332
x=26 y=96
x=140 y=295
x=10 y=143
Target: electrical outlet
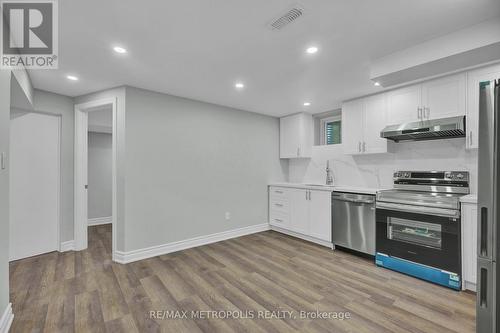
x=228 y=215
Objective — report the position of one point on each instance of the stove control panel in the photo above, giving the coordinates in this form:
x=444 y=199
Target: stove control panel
x=456 y=176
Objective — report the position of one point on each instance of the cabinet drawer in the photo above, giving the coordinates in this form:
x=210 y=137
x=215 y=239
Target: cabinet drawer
x=278 y=218
x=279 y=205
x=278 y=192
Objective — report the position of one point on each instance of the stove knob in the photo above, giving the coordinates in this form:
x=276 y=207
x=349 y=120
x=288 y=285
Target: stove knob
x=407 y=175
x=459 y=176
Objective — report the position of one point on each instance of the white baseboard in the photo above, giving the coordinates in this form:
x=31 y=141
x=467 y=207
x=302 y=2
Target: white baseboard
x=6 y=319
x=100 y=220
x=469 y=286
x=67 y=246
x=135 y=255
x=301 y=236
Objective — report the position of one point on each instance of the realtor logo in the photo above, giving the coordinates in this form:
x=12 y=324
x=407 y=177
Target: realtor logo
x=29 y=34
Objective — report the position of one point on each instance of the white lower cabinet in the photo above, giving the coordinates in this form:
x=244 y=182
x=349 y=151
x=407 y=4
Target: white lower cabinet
x=469 y=245
x=303 y=212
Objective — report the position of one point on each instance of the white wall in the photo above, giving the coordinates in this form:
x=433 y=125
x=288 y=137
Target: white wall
x=5 y=84
x=99 y=175
x=377 y=170
x=189 y=162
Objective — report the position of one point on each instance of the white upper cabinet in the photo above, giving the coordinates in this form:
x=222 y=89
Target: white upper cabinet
x=296 y=136
x=444 y=97
x=473 y=79
x=403 y=105
x=440 y=98
x=374 y=121
x=362 y=121
x=352 y=126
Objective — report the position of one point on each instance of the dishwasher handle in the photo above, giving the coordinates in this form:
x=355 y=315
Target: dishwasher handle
x=360 y=201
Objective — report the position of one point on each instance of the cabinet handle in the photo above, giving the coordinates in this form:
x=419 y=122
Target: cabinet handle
x=306 y=195
x=279 y=192
x=309 y=195
x=419 y=112
x=470 y=138
x=364 y=146
x=278 y=205
x=278 y=220
x=426 y=112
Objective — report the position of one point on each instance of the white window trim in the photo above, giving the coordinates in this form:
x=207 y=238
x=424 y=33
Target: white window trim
x=322 y=139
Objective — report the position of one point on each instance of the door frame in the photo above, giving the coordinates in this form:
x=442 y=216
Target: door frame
x=81 y=171
x=59 y=171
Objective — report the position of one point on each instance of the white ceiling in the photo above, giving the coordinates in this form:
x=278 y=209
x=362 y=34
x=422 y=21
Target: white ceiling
x=199 y=48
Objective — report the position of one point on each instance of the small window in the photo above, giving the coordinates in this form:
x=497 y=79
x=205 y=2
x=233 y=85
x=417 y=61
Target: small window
x=331 y=130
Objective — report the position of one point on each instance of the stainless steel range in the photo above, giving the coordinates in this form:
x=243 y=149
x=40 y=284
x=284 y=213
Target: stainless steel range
x=418 y=225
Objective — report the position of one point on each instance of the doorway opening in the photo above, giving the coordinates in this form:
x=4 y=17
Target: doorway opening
x=95 y=169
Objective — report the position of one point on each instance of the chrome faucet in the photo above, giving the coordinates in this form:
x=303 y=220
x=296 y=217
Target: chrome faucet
x=329 y=176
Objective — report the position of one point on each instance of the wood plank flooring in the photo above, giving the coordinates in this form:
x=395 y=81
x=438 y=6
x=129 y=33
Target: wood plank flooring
x=86 y=292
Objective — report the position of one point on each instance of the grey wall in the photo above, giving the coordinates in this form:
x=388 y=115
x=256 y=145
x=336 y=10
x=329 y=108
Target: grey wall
x=51 y=103
x=189 y=162
x=99 y=175
x=5 y=84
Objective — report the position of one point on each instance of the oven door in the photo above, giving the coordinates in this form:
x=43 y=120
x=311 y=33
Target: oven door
x=419 y=235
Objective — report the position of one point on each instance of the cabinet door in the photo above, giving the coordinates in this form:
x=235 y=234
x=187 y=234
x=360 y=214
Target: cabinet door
x=289 y=136
x=472 y=120
x=299 y=211
x=469 y=242
x=444 y=97
x=352 y=127
x=374 y=121
x=320 y=215
x=403 y=105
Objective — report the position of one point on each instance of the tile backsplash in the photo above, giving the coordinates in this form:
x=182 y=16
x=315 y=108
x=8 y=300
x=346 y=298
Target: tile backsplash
x=376 y=170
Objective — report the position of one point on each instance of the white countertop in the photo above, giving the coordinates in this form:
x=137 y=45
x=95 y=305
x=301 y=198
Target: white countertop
x=470 y=198
x=321 y=187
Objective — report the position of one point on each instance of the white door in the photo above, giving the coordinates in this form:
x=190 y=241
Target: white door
x=320 y=215
x=375 y=119
x=299 y=211
x=352 y=127
x=444 y=97
x=403 y=105
x=34 y=185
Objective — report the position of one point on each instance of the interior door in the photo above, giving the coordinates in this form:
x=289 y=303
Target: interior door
x=34 y=185
x=403 y=105
x=444 y=97
x=375 y=119
x=320 y=215
x=299 y=211
x=352 y=127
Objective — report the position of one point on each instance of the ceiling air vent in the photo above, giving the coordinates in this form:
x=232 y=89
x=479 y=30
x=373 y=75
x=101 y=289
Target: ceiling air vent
x=280 y=22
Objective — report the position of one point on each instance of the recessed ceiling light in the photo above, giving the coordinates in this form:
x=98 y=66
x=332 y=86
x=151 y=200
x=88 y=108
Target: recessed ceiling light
x=376 y=84
x=312 y=50
x=307 y=103
x=72 y=77
x=119 y=49
x=239 y=85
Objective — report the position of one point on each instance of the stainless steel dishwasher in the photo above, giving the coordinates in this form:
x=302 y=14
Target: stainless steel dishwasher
x=353 y=219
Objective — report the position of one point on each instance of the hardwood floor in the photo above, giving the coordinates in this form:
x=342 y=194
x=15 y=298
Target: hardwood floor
x=86 y=292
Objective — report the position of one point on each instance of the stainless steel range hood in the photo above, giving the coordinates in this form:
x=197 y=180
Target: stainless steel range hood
x=443 y=128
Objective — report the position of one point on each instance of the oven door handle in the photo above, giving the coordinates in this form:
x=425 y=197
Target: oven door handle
x=361 y=201
x=419 y=209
